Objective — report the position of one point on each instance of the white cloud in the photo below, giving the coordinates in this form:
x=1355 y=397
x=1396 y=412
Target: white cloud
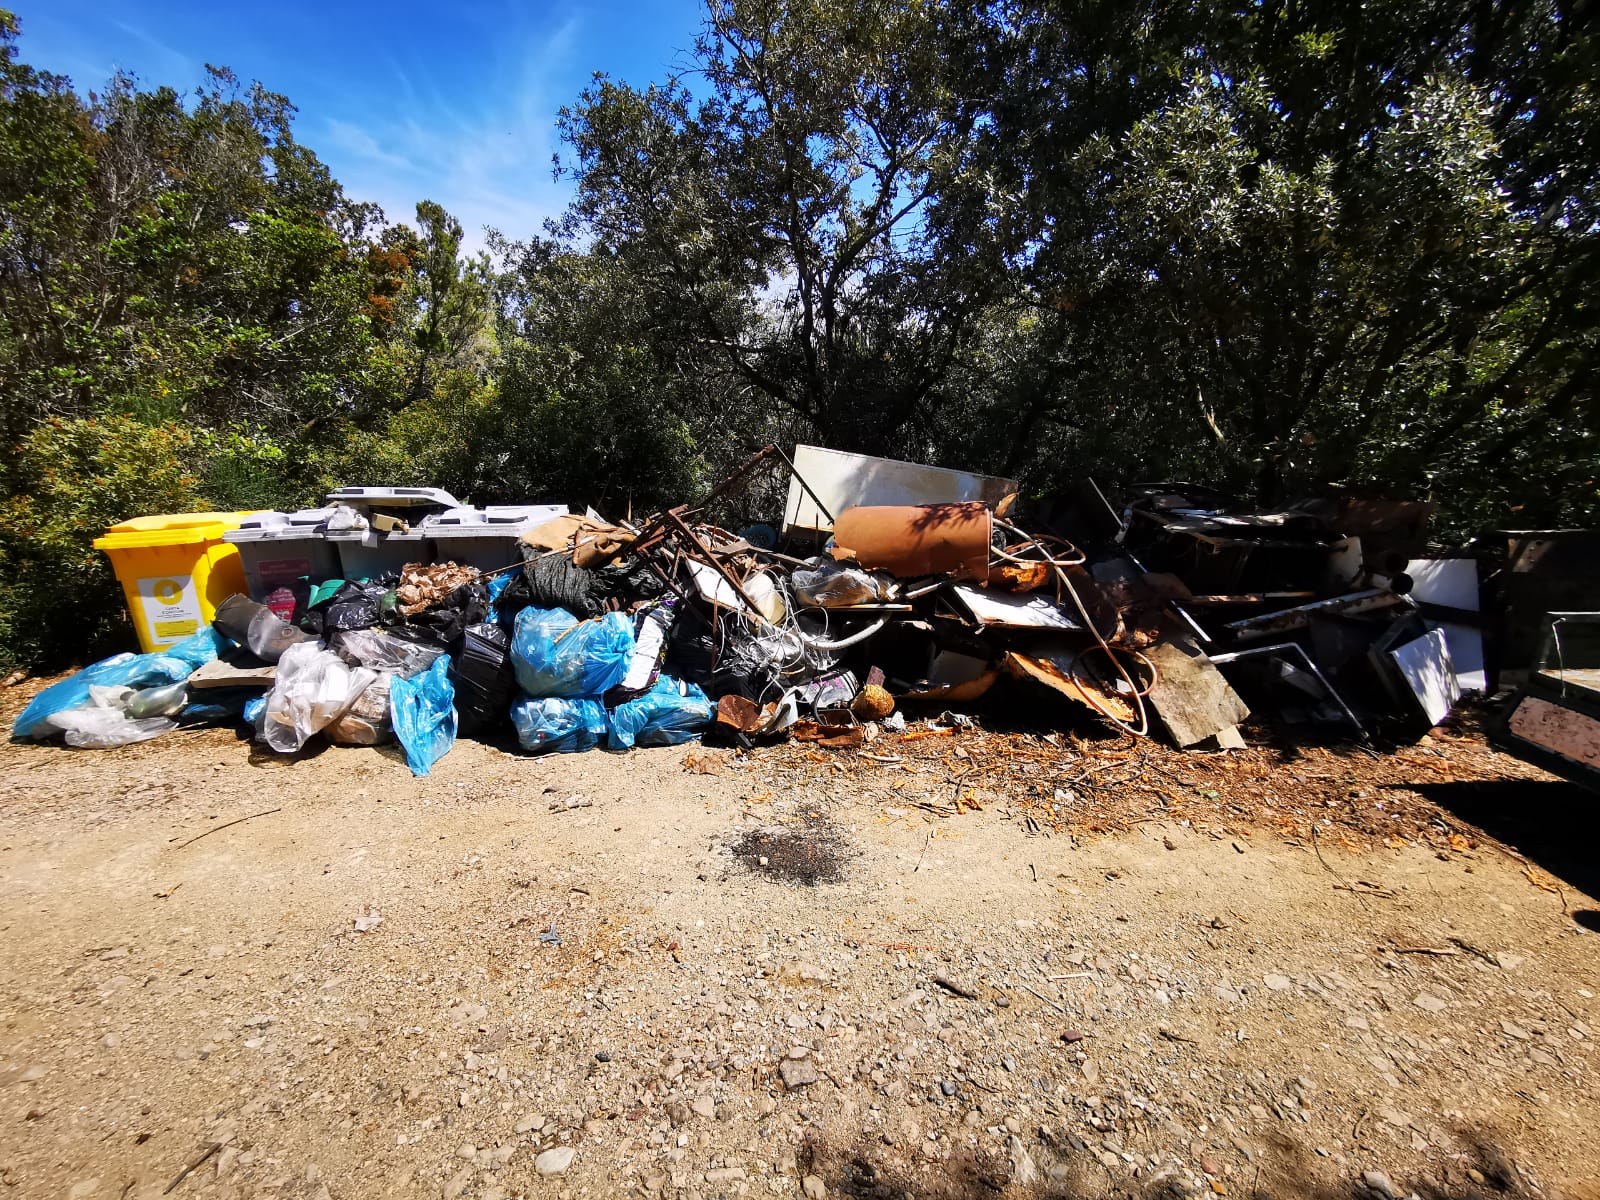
x=481 y=148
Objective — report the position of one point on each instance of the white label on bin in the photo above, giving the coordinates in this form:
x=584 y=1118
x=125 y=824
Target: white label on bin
x=171 y=608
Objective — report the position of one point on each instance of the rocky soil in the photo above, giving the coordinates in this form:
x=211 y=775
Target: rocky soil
x=804 y=972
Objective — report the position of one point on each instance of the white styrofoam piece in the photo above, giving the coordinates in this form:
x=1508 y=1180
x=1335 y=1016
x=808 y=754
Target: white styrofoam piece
x=1451 y=582
x=1425 y=665
x=1022 y=610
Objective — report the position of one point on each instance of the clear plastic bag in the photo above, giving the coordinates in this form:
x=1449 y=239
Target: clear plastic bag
x=822 y=584
x=128 y=670
x=166 y=701
x=555 y=654
x=670 y=713
x=383 y=651
x=366 y=722
x=551 y=724
x=423 y=711
x=95 y=728
x=314 y=686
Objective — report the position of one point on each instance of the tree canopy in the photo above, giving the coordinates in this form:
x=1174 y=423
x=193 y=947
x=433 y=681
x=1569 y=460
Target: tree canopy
x=1273 y=247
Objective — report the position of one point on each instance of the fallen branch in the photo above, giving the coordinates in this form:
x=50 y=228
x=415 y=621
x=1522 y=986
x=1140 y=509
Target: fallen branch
x=1439 y=951
x=1046 y=999
x=184 y=1174
x=225 y=825
x=1477 y=951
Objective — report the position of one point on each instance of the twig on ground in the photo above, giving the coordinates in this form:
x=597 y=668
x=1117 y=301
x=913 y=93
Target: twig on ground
x=1046 y=999
x=227 y=824
x=184 y=1174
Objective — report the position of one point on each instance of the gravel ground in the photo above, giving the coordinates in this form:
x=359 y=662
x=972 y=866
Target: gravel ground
x=1000 y=966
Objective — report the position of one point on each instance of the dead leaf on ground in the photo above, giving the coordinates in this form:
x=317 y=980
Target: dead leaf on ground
x=705 y=762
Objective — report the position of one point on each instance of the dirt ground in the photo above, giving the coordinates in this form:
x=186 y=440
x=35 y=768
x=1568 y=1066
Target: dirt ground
x=979 y=965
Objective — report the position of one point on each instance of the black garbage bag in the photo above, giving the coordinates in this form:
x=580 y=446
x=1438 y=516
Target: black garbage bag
x=443 y=624
x=484 y=677
x=695 y=653
x=555 y=581
x=353 y=606
x=628 y=579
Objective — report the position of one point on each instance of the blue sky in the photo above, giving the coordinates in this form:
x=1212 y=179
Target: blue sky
x=403 y=101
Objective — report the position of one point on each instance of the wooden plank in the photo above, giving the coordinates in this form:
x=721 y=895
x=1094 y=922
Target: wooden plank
x=1190 y=695
x=220 y=674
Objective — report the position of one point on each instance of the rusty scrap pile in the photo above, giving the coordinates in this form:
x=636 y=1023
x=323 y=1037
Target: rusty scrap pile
x=939 y=603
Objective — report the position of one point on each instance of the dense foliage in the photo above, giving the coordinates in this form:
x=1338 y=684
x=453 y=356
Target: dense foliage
x=1269 y=246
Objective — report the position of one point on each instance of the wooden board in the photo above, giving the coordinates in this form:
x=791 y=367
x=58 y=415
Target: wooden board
x=1190 y=695
x=220 y=674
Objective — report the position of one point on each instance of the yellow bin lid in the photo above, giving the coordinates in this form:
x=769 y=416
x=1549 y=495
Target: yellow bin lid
x=171 y=529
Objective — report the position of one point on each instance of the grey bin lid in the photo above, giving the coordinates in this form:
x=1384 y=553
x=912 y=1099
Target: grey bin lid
x=258 y=527
x=279 y=526
x=394 y=497
x=494 y=520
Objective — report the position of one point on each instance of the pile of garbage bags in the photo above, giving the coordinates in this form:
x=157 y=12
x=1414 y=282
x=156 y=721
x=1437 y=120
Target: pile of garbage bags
x=618 y=635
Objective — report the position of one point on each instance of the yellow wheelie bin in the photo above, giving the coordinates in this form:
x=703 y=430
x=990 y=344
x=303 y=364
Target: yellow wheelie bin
x=174 y=570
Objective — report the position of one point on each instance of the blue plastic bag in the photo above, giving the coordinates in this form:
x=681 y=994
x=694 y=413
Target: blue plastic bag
x=423 y=709
x=670 y=713
x=553 y=724
x=555 y=654
x=175 y=663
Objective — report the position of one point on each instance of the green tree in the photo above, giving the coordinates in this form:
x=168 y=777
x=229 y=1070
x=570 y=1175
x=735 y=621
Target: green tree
x=780 y=223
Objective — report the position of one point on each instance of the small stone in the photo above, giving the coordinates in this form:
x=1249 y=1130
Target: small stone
x=111 y=1041
x=1278 y=983
x=1513 y=1030
x=554 y=1161
x=947 y=1086
x=466 y=1150
x=83 y=1189
x=529 y=1123
x=1379 y=1182
x=797 y=1074
x=603 y=1056
x=798 y=1052
x=705 y=1106
x=1429 y=1003
x=813 y=1187
x=1024 y=1171
x=725 y=1175
x=457 y=1183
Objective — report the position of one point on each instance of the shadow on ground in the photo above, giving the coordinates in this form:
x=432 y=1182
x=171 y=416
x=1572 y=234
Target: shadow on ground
x=1551 y=823
x=1481 y=1171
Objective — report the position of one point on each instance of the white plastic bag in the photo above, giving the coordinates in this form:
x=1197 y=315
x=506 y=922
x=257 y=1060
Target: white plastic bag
x=314 y=687
x=103 y=723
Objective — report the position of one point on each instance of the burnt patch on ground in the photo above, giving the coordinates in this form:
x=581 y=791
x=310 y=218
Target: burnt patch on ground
x=807 y=853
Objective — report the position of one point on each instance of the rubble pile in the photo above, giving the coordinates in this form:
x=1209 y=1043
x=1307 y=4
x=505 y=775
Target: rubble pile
x=1171 y=617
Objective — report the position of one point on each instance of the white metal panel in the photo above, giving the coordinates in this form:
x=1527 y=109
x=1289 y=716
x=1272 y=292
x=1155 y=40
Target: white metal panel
x=843 y=480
